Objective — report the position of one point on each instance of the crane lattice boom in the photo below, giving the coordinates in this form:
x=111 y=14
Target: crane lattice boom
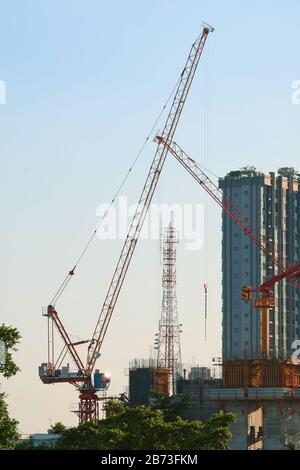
x=232 y=211
x=88 y=406
x=186 y=79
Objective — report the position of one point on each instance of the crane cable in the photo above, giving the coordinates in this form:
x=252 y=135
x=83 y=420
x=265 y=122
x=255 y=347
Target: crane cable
x=68 y=277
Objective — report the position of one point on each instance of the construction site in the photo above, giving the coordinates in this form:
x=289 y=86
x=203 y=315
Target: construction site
x=258 y=375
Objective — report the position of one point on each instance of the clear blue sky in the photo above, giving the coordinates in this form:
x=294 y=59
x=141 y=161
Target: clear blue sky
x=85 y=81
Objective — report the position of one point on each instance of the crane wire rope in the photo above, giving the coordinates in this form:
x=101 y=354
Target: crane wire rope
x=68 y=277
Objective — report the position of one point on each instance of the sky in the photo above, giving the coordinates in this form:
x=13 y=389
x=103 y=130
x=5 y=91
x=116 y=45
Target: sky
x=85 y=81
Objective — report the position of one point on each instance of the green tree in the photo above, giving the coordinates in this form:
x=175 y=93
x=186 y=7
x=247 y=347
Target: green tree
x=8 y=426
x=290 y=446
x=114 y=408
x=172 y=406
x=28 y=444
x=57 y=428
x=11 y=337
x=216 y=431
x=249 y=168
x=287 y=171
x=145 y=428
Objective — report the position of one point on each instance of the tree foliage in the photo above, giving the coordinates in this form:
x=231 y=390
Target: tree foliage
x=172 y=406
x=57 y=428
x=249 y=168
x=114 y=408
x=145 y=428
x=29 y=444
x=287 y=171
x=8 y=426
x=11 y=338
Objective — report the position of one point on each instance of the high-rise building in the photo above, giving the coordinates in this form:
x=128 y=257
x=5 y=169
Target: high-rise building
x=272 y=204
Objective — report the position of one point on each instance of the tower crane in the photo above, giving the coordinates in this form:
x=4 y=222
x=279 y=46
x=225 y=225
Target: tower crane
x=228 y=207
x=267 y=301
x=82 y=379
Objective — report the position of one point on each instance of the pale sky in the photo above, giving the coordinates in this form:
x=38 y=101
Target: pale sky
x=85 y=81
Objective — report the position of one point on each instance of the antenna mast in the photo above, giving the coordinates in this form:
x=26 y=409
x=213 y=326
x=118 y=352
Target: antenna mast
x=169 y=349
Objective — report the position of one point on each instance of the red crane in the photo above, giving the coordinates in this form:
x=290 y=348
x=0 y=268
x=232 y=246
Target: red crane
x=267 y=301
x=232 y=211
x=82 y=378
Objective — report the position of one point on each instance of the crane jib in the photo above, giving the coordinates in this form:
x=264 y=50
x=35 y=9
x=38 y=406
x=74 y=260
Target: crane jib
x=145 y=198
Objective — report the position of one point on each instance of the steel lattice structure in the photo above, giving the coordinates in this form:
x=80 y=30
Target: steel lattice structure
x=82 y=379
x=168 y=345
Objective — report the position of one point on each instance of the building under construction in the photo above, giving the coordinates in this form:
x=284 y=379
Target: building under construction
x=145 y=377
x=272 y=204
x=197 y=384
x=261 y=310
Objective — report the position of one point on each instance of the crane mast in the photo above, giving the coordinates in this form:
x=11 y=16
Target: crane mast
x=185 y=82
x=266 y=301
